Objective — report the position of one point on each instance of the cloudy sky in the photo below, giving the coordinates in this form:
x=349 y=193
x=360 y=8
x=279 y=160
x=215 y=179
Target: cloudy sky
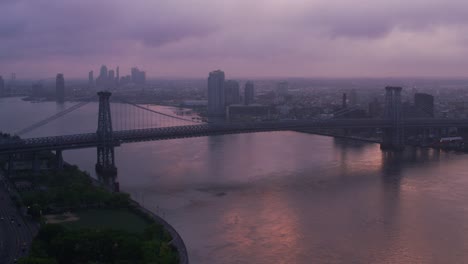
x=245 y=38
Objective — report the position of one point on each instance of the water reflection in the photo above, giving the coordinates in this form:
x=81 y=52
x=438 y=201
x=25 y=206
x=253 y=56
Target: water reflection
x=343 y=143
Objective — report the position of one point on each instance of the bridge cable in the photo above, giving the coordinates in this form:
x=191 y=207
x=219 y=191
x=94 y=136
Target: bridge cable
x=157 y=112
x=51 y=118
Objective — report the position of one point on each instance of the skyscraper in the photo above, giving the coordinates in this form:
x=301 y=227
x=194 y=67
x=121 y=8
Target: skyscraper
x=117 y=77
x=424 y=105
x=138 y=77
x=60 y=88
x=231 y=92
x=103 y=72
x=249 y=93
x=102 y=79
x=111 y=77
x=2 y=86
x=91 y=79
x=216 y=103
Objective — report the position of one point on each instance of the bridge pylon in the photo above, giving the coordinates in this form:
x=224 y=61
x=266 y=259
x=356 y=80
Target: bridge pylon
x=393 y=138
x=105 y=149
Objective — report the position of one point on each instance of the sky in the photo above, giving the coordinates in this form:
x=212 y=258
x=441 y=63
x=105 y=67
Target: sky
x=245 y=38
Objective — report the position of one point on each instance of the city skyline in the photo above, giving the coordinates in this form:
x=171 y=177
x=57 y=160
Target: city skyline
x=245 y=38
x=233 y=131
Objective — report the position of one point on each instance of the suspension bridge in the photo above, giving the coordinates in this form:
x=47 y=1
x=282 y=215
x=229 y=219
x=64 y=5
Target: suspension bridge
x=146 y=124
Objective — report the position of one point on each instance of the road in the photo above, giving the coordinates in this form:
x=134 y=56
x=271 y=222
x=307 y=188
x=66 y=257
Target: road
x=16 y=233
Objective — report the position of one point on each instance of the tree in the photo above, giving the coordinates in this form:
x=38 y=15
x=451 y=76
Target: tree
x=150 y=251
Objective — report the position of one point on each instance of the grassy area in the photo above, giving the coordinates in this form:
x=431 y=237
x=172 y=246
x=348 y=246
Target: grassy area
x=119 y=219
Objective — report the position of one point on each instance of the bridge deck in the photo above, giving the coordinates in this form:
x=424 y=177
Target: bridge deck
x=119 y=137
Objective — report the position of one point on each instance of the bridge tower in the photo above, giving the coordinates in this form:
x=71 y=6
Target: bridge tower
x=105 y=150
x=393 y=137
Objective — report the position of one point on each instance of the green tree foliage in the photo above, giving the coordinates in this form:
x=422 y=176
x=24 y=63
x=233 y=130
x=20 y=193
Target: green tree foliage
x=71 y=188
x=157 y=231
x=55 y=243
x=151 y=252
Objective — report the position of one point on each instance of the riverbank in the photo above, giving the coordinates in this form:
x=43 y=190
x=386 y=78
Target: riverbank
x=67 y=198
x=176 y=241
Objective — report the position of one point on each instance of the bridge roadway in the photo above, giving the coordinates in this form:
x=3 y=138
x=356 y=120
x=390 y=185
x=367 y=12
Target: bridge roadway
x=138 y=135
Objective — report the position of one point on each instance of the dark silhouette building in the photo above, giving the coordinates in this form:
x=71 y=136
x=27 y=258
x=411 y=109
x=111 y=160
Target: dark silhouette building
x=231 y=92
x=117 y=77
x=138 y=77
x=102 y=79
x=249 y=93
x=60 y=88
x=111 y=76
x=424 y=105
x=216 y=99
x=103 y=72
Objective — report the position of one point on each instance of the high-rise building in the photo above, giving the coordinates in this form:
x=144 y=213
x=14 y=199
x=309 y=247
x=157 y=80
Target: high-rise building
x=91 y=79
x=138 y=77
x=60 y=88
x=125 y=80
x=216 y=103
x=103 y=78
x=134 y=73
x=424 y=105
x=142 y=77
x=2 y=87
x=249 y=93
x=111 y=77
x=117 y=77
x=231 y=92
x=103 y=72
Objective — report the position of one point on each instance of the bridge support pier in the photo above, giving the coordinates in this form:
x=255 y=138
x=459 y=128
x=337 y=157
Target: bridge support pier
x=393 y=137
x=105 y=150
x=106 y=161
x=59 y=159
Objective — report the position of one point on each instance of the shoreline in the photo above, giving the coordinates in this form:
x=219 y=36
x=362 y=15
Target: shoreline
x=176 y=241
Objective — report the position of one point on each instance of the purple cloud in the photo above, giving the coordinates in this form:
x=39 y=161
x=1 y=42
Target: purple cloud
x=245 y=37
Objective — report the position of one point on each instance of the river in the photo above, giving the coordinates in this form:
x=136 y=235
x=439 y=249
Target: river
x=285 y=197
